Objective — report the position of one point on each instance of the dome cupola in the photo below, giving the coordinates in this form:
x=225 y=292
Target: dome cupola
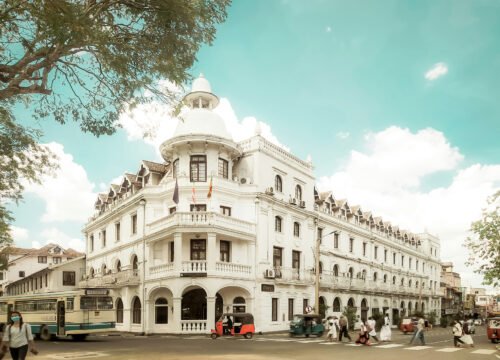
x=201 y=96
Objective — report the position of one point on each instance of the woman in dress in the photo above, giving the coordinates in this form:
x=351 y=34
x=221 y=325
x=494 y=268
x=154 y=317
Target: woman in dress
x=332 y=332
x=385 y=332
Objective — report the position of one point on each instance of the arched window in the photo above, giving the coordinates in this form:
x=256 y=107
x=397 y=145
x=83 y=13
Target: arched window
x=118 y=266
x=239 y=304
x=336 y=305
x=385 y=278
x=363 y=275
x=402 y=281
x=277 y=224
x=91 y=272
x=375 y=276
x=136 y=311
x=298 y=193
x=350 y=303
x=416 y=284
x=119 y=311
x=296 y=229
x=104 y=269
x=393 y=280
x=278 y=184
x=409 y=283
x=161 y=311
x=350 y=273
x=135 y=264
x=335 y=270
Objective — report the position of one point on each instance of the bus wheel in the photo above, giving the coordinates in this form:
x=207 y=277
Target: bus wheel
x=79 y=337
x=45 y=334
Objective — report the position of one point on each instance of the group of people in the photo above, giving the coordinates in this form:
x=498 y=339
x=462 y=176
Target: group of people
x=338 y=329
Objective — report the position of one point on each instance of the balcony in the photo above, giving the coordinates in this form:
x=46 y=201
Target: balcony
x=202 y=219
x=293 y=276
x=193 y=268
x=115 y=280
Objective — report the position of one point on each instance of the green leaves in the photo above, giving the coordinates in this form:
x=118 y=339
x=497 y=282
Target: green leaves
x=484 y=246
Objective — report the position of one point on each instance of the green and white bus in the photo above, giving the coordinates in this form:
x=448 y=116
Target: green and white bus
x=76 y=313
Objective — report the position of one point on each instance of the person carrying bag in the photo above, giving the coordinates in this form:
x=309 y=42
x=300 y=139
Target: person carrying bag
x=18 y=338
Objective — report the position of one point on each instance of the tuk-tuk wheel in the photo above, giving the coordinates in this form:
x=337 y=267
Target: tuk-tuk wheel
x=320 y=334
x=248 y=335
x=307 y=335
x=213 y=336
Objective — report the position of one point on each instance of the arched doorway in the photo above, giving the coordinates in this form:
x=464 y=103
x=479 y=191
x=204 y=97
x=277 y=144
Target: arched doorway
x=161 y=311
x=322 y=307
x=239 y=304
x=364 y=310
x=119 y=311
x=194 y=305
x=350 y=303
x=219 y=307
x=336 y=305
x=136 y=310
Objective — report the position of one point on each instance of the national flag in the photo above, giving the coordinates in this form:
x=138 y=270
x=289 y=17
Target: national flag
x=209 y=195
x=193 y=195
x=176 y=193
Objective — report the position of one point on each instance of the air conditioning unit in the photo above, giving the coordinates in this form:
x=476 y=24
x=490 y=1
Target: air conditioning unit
x=270 y=191
x=302 y=204
x=270 y=274
x=293 y=201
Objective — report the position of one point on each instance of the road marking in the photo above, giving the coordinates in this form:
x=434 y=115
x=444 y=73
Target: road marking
x=453 y=349
x=421 y=347
x=77 y=355
x=309 y=341
x=329 y=343
x=354 y=344
x=483 y=352
x=388 y=346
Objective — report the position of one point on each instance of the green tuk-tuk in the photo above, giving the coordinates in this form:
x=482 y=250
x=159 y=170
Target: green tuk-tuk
x=307 y=324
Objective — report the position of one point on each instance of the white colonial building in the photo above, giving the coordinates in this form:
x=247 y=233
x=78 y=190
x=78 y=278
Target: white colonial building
x=242 y=237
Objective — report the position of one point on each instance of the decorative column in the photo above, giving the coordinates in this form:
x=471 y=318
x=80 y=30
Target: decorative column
x=177 y=309
x=211 y=252
x=178 y=252
x=210 y=313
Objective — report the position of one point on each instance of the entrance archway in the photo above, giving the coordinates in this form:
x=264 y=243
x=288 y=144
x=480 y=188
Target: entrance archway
x=364 y=310
x=219 y=307
x=336 y=305
x=194 y=305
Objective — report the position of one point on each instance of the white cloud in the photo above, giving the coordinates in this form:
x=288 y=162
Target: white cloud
x=153 y=123
x=342 y=135
x=436 y=71
x=68 y=195
x=55 y=236
x=386 y=179
x=18 y=233
x=328 y=29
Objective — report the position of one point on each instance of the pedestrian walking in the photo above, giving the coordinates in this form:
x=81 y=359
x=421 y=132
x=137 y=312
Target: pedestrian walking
x=385 y=332
x=344 y=326
x=419 y=334
x=457 y=333
x=363 y=336
x=371 y=328
x=18 y=338
x=332 y=331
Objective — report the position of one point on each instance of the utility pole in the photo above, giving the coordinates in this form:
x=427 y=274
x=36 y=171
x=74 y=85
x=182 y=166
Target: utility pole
x=316 y=266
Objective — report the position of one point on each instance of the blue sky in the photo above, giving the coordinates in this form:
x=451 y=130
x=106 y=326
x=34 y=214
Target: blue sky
x=395 y=101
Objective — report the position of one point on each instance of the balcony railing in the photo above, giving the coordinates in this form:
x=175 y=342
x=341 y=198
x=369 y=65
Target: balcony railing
x=283 y=274
x=202 y=219
x=194 y=266
x=194 y=326
x=223 y=269
x=119 y=279
x=231 y=269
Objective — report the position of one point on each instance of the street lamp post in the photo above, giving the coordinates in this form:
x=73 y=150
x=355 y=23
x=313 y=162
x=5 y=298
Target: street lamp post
x=316 y=267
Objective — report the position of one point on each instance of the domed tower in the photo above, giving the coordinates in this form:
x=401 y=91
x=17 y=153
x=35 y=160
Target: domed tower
x=201 y=133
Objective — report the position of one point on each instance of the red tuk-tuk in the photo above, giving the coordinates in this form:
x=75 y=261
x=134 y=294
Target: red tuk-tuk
x=493 y=329
x=234 y=324
x=408 y=325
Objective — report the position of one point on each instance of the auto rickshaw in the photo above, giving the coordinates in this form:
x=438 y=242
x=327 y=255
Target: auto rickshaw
x=306 y=324
x=234 y=324
x=408 y=325
x=493 y=329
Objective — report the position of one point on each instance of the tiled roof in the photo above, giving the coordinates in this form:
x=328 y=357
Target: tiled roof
x=43 y=251
x=156 y=167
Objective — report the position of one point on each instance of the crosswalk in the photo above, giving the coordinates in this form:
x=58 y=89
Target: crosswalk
x=382 y=346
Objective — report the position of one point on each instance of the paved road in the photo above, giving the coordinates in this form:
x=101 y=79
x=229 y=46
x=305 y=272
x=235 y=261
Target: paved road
x=439 y=345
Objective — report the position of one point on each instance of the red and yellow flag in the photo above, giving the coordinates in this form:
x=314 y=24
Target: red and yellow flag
x=209 y=195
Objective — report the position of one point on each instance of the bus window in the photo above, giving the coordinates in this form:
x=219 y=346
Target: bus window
x=46 y=305
x=70 y=303
x=96 y=303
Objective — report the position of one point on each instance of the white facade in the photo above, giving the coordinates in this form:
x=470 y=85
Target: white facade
x=251 y=245
x=23 y=262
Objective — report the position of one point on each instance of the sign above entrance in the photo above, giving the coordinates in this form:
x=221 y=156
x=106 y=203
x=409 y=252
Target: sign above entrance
x=192 y=274
x=96 y=292
x=267 y=288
